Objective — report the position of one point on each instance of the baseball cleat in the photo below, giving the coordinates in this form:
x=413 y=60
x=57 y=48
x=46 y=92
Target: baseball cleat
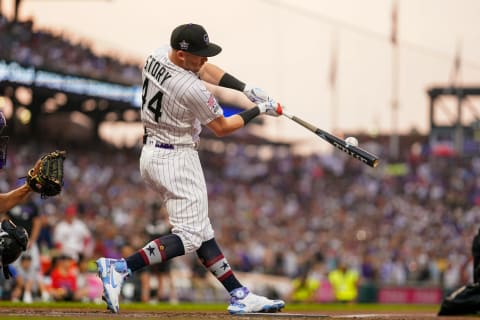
x=243 y=301
x=112 y=272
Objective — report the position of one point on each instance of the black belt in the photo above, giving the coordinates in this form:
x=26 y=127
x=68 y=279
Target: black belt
x=166 y=145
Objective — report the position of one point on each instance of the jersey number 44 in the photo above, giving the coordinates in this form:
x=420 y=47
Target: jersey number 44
x=154 y=104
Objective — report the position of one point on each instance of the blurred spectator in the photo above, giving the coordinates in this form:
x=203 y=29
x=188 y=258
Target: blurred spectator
x=72 y=236
x=203 y=289
x=45 y=241
x=305 y=285
x=344 y=281
x=27 y=216
x=394 y=271
x=132 y=289
x=158 y=226
x=89 y=285
x=28 y=282
x=64 y=281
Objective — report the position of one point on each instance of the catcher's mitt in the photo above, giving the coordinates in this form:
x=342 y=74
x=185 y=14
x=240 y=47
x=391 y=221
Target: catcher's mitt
x=46 y=177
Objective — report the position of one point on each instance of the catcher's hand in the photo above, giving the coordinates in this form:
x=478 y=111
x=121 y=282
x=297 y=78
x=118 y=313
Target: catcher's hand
x=46 y=177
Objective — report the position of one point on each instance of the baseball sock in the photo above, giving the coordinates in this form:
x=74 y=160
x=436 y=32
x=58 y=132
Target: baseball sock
x=156 y=251
x=212 y=258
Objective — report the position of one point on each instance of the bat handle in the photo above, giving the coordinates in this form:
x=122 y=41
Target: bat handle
x=287 y=114
x=303 y=123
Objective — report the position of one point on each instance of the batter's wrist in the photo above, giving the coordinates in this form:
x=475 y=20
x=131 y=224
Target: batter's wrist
x=229 y=81
x=249 y=115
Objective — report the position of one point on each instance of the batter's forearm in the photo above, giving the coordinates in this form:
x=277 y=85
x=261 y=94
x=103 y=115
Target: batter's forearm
x=222 y=126
x=215 y=75
x=11 y=199
x=230 y=97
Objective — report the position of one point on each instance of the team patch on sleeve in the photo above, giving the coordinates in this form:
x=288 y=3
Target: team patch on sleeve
x=214 y=106
x=211 y=102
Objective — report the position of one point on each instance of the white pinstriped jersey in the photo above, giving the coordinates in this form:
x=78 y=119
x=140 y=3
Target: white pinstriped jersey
x=175 y=102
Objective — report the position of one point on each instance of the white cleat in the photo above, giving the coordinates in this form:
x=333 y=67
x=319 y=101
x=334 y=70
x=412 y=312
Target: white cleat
x=243 y=301
x=112 y=272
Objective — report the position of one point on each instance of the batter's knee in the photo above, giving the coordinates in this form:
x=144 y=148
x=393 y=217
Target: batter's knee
x=191 y=241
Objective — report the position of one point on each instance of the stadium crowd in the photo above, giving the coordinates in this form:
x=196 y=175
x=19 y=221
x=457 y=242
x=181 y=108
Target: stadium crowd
x=21 y=42
x=276 y=216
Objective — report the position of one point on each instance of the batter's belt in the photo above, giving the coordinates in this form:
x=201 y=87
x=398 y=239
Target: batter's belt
x=162 y=145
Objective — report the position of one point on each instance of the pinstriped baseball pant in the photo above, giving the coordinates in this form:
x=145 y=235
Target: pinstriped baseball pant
x=177 y=176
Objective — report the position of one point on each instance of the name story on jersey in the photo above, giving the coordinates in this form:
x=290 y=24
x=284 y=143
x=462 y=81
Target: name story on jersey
x=154 y=68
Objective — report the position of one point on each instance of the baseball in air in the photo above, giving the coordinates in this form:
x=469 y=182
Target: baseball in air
x=352 y=141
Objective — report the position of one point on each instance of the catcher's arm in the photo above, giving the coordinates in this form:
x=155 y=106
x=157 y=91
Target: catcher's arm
x=12 y=198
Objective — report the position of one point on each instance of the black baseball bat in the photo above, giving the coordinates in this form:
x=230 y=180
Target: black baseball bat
x=353 y=151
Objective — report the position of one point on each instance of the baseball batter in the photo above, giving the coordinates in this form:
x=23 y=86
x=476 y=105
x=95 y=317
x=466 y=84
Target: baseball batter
x=181 y=92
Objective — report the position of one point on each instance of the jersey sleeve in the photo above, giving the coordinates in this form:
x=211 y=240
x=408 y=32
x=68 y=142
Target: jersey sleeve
x=203 y=103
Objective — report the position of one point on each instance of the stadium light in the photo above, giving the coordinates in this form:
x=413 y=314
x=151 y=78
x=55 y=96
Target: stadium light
x=111 y=116
x=60 y=98
x=89 y=105
x=103 y=104
x=24 y=95
x=130 y=115
x=6 y=105
x=50 y=105
x=23 y=115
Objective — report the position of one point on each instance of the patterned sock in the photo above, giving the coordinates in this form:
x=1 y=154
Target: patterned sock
x=212 y=258
x=156 y=251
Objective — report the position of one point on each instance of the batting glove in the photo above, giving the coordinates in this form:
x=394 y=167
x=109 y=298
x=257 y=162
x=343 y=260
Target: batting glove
x=256 y=95
x=271 y=108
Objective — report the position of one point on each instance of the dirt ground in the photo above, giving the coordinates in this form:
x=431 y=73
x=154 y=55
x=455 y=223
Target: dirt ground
x=42 y=313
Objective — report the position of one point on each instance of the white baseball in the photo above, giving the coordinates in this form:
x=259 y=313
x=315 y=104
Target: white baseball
x=352 y=141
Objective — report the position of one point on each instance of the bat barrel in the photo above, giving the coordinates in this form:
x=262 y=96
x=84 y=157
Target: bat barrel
x=355 y=152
